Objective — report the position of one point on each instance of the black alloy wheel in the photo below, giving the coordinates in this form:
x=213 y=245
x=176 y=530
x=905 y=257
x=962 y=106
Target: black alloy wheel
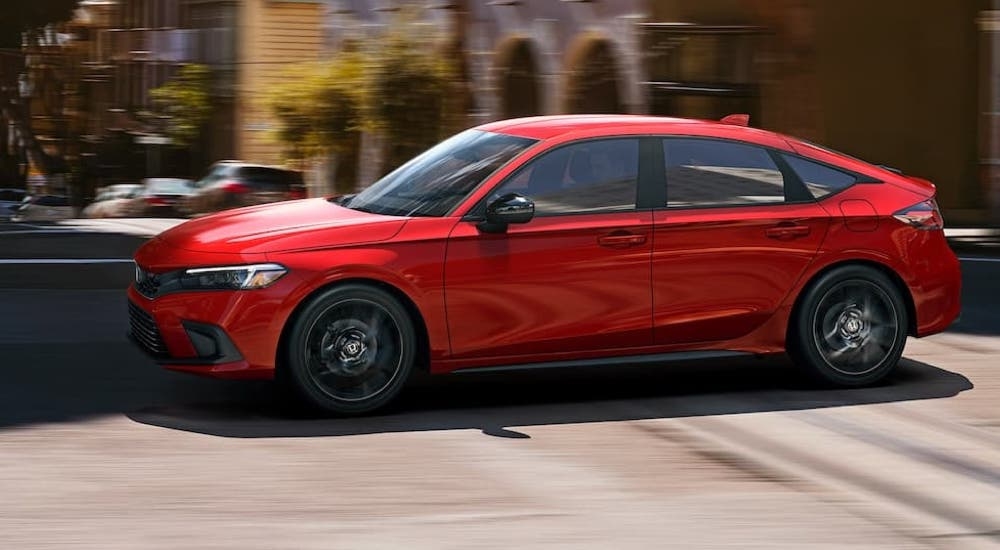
x=850 y=327
x=351 y=350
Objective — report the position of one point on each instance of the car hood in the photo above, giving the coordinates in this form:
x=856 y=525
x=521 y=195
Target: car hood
x=276 y=227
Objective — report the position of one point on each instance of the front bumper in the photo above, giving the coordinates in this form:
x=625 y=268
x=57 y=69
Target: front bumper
x=220 y=334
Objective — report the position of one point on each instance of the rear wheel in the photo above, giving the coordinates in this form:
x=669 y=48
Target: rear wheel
x=850 y=327
x=351 y=350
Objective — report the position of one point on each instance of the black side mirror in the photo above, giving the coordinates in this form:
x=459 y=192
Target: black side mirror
x=508 y=209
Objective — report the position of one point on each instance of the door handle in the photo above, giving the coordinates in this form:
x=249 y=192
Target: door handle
x=621 y=240
x=787 y=231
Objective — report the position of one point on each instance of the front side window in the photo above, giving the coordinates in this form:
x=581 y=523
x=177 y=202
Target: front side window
x=819 y=179
x=706 y=172
x=590 y=176
x=439 y=179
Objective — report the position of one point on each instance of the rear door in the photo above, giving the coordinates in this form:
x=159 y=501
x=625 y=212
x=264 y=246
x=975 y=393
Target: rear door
x=736 y=232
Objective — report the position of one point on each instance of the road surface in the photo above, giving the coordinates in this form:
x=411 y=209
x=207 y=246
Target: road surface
x=101 y=449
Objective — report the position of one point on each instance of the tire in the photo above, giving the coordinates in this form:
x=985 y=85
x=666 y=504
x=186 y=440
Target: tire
x=350 y=350
x=849 y=328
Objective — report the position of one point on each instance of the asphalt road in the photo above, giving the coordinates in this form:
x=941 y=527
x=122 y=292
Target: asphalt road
x=100 y=448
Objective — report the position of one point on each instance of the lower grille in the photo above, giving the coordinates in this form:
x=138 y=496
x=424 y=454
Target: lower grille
x=145 y=331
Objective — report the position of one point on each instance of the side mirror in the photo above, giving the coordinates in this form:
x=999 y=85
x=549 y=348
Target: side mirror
x=508 y=209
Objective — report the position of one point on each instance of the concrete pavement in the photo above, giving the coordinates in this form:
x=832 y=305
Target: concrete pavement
x=101 y=449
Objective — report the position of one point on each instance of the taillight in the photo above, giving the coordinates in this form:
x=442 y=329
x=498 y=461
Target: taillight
x=295 y=194
x=923 y=215
x=235 y=187
x=156 y=201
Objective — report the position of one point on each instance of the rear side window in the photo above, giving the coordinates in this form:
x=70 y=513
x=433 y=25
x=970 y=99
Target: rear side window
x=705 y=172
x=266 y=176
x=820 y=179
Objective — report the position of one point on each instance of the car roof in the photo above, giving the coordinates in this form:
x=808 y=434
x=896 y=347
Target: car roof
x=554 y=126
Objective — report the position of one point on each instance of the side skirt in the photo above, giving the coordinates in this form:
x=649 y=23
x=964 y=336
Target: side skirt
x=649 y=359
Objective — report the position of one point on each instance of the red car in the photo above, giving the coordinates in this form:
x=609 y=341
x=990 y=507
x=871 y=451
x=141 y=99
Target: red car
x=558 y=241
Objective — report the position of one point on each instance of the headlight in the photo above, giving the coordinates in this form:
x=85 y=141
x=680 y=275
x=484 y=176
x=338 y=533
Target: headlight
x=237 y=277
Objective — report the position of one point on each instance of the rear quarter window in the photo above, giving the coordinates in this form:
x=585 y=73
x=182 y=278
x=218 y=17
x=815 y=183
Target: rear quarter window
x=820 y=179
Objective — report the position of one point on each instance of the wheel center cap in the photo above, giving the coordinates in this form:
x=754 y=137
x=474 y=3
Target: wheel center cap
x=852 y=326
x=352 y=348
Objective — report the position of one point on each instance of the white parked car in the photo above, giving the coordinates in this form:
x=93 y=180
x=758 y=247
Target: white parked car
x=112 y=201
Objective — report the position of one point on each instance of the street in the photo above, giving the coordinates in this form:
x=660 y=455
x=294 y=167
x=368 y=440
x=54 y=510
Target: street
x=99 y=448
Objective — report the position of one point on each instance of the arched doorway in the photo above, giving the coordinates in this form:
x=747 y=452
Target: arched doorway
x=592 y=77
x=517 y=78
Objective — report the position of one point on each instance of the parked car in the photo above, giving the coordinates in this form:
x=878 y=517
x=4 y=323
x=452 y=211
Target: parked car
x=555 y=242
x=10 y=199
x=111 y=201
x=231 y=184
x=43 y=208
x=159 y=198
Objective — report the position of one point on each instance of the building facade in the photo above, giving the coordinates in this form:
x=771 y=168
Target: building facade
x=911 y=87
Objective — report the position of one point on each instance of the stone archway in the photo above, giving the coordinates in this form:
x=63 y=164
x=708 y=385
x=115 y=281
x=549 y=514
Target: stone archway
x=593 y=77
x=518 y=83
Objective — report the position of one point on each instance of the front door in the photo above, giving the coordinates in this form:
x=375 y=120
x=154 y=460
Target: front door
x=574 y=279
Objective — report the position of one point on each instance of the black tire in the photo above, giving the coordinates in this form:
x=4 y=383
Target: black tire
x=350 y=350
x=849 y=327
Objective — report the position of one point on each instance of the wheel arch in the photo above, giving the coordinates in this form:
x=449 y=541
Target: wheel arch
x=888 y=271
x=416 y=317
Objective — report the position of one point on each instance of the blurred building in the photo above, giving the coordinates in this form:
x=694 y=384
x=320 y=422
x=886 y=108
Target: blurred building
x=893 y=82
x=910 y=85
x=244 y=43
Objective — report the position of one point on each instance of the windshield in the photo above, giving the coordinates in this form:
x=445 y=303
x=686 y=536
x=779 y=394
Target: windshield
x=439 y=179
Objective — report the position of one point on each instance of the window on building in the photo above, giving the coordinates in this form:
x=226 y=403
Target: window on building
x=707 y=172
x=820 y=179
x=585 y=177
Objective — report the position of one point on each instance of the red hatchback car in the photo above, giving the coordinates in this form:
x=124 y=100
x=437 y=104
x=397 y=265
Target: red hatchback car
x=558 y=241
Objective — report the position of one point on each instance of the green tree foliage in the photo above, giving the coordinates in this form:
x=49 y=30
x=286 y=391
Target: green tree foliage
x=318 y=104
x=409 y=85
x=185 y=102
x=396 y=83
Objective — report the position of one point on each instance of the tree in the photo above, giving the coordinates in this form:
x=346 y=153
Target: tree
x=185 y=103
x=23 y=27
x=396 y=83
x=410 y=95
x=318 y=108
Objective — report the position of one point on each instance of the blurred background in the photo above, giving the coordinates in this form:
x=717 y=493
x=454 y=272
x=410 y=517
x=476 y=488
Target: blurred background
x=250 y=101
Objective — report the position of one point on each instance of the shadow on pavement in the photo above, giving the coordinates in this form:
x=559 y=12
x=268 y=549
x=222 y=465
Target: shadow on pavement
x=493 y=403
x=64 y=357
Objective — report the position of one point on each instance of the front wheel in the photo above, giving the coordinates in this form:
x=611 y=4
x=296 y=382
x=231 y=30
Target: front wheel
x=850 y=327
x=351 y=350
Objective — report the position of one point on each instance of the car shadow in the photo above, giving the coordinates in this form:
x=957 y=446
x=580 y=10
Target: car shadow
x=497 y=403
